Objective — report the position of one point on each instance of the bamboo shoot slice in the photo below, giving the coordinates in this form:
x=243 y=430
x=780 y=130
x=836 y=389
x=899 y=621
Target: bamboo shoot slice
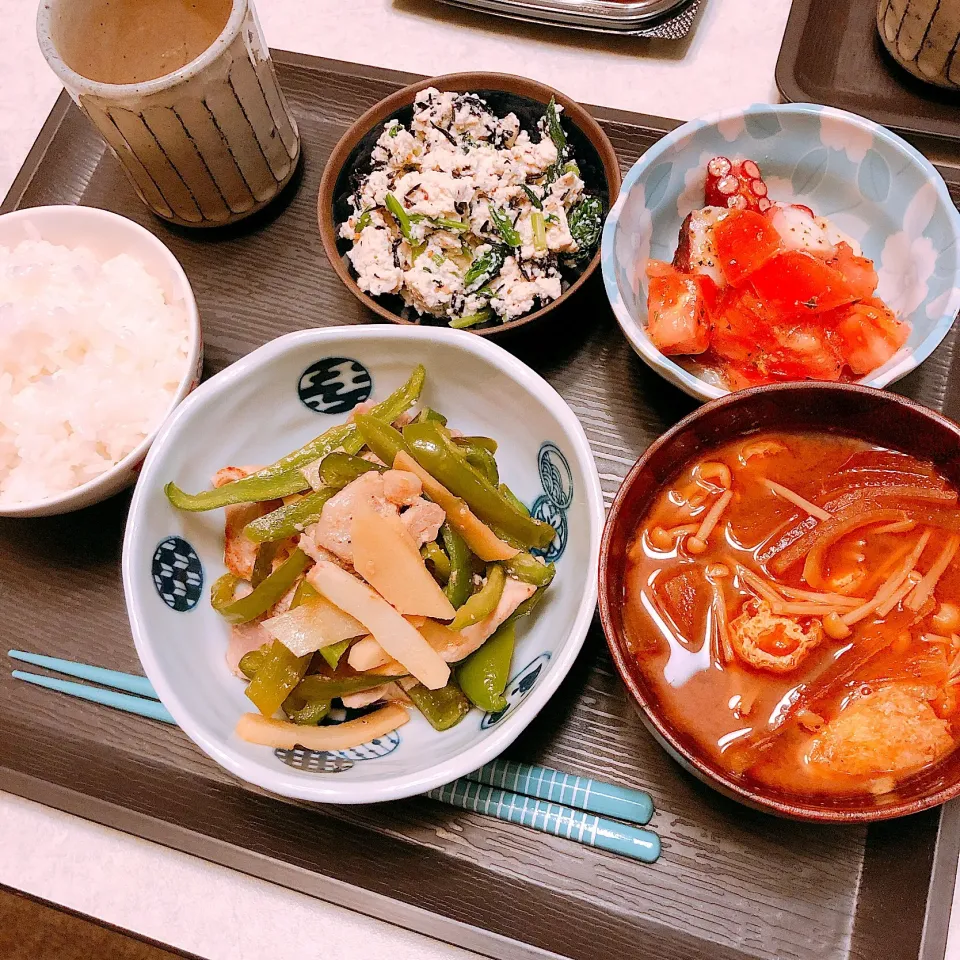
x=397 y=637
x=386 y=556
x=479 y=537
x=268 y=732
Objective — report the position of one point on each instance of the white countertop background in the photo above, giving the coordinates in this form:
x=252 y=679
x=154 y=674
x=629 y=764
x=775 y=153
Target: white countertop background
x=180 y=900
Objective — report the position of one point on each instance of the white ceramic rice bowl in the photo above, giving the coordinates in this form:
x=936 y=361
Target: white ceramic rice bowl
x=254 y=412
x=107 y=235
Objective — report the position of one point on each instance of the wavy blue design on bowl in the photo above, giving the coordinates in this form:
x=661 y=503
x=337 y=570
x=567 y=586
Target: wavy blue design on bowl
x=177 y=574
x=556 y=476
x=872 y=184
x=518 y=687
x=545 y=509
x=334 y=385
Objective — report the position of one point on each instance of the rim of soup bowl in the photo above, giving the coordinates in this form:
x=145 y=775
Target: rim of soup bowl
x=633 y=327
x=682 y=748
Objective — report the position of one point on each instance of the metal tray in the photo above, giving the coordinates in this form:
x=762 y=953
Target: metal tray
x=731 y=884
x=656 y=19
x=832 y=54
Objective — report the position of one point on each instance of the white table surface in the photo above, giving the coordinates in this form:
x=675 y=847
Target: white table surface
x=181 y=900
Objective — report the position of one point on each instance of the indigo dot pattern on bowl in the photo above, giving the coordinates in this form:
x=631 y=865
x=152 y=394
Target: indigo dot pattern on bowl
x=518 y=687
x=556 y=478
x=334 y=385
x=318 y=761
x=869 y=182
x=177 y=574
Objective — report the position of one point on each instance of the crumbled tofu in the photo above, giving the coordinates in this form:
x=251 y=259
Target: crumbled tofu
x=465 y=178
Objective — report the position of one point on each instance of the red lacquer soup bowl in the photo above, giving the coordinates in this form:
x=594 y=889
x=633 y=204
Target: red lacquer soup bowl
x=872 y=415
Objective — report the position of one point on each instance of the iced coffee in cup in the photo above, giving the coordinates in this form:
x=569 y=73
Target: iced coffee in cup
x=185 y=95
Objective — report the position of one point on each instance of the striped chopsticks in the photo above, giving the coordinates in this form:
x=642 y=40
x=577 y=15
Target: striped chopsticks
x=597 y=814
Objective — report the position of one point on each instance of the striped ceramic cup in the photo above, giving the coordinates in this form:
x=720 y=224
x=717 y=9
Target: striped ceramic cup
x=923 y=36
x=185 y=96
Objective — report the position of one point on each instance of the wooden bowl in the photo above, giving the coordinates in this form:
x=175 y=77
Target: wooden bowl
x=873 y=415
x=504 y=93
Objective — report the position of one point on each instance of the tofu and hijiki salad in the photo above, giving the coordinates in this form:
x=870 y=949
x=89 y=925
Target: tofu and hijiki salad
x=467 y=217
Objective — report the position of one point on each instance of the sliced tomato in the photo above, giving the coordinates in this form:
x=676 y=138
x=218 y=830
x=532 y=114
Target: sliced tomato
x=803 y=352
x=859 y=272
x=797 y=284
x=677 y=317
x=660 y=268
x=869 y=335
x=740 y=327
x=744 y=241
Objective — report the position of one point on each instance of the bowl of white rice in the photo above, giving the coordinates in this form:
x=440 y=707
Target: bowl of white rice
x=99 y=341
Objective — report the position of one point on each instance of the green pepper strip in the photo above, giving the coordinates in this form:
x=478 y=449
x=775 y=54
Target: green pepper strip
x=338 y=469
x=438 y=560
x=268 y=593
x=428 y=413
x=255 y=489
x=484 y=601
x=252 y=660
x=334 y=652
x=527 y=607
x=307 y=713
x=317 y=687
x=222 y=591
x=480 y=459
x=283 y=478
x=276 y=677
x=432 y=452
x=488 y=443
x=483 y=676
x=514 y=499
x=460 y=580
x=443 y=708
x=383 y=439
x=290 y=520
x=526 y=567
x=263 y=565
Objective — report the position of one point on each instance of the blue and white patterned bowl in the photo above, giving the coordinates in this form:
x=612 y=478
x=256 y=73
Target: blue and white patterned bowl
x=273 y=401
x=871 y=183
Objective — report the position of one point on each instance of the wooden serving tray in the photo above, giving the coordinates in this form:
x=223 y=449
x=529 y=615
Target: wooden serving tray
x=832 y=54
x=731 y=884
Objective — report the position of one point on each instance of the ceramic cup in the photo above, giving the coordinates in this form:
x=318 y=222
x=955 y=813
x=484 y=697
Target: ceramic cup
x=923 y=36
x=206 y=145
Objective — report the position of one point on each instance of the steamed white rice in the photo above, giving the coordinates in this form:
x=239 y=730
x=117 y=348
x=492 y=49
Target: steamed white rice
x=91 y=355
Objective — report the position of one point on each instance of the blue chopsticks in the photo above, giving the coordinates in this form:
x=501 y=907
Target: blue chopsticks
x=550 y=818
x=553 y=802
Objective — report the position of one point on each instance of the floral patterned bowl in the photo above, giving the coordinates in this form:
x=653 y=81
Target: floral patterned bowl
x=872 y=184
x=272 y=402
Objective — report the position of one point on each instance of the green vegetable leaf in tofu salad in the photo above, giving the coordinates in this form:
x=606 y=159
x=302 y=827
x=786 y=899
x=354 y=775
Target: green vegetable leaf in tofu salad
x=467 y=217
x=381 y=568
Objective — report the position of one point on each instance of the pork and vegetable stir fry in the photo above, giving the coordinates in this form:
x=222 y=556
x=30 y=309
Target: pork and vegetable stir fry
x=384 y=563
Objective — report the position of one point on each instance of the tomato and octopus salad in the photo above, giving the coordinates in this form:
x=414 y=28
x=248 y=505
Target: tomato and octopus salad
x=761 y=291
